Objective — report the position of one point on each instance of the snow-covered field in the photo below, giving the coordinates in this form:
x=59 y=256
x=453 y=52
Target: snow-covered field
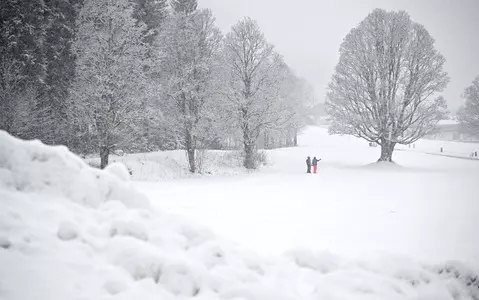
x=355 y=230
x=449 y=148
x=426 y=207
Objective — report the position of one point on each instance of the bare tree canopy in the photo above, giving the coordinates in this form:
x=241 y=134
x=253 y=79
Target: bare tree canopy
x=110 y=81
x=184 y=6
x=469 y=114
x=386 y=82
x=254 y=74
x=191 y=50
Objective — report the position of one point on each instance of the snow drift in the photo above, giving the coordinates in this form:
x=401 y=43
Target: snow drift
x=68 y=231
x=31 y=167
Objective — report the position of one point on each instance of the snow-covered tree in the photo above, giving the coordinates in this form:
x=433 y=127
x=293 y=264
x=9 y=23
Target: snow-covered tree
x=110 y=81
x=153 y=13
x=298 y=95
x=190 y=45
x=468 y=115
x=184 y=6
x=19 y=114
x=385 y=84
x=22 y=37
x=253 y=75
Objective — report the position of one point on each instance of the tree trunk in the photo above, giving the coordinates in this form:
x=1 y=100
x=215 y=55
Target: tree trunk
x=104 y=154
x=249 y=162
x=190 y=150
x=249 y=148
x=387 y=148
x=191 y=160
x=295 y=141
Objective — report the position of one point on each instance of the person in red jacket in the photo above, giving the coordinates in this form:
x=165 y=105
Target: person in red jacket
x=315 y=164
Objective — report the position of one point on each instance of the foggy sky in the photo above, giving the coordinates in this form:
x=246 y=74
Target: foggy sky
x=308 y=32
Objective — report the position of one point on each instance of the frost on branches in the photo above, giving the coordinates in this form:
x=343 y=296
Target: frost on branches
x=110 y=57
x=386 y=82
x=191 y=45
x=254 y=74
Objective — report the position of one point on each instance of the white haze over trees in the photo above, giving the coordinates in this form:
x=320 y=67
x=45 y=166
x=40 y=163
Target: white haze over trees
x=469 y=114
x=151 y=75
x=147 y=75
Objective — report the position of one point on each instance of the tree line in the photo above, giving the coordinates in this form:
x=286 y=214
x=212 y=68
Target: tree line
x=144 y=75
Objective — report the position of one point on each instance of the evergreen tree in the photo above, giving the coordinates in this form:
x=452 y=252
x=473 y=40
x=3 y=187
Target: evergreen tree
x=22 y=36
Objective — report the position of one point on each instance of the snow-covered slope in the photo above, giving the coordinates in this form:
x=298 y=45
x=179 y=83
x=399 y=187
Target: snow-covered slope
x=68 y=231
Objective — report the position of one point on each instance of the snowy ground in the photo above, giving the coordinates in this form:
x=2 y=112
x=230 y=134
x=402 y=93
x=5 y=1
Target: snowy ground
x=353 y=231
x=426 y=207
x=163 y=165
x=449 y=148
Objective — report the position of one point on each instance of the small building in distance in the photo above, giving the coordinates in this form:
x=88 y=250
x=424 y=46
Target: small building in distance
x=449 y=130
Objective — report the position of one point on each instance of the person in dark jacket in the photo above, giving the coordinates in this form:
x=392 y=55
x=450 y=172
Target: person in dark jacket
x=308 y=165
x=315 y=164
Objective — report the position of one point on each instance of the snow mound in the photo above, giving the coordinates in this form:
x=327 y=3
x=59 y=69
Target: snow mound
x=133 y=229
x=67 y=231
x=62 y=236
x=323 y=262
x=30 y=166
x=119 y=170
x=383 y=166
x=5 y=243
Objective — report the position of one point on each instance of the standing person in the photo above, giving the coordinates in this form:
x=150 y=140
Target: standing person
x=308 y=165
x=315 y=164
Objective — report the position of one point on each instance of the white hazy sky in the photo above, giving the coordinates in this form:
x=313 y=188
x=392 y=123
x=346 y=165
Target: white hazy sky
x=308 y=32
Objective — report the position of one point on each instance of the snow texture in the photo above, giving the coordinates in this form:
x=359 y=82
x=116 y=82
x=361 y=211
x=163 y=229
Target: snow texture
x=119 y=170
x=89 y=235
x=67 y=231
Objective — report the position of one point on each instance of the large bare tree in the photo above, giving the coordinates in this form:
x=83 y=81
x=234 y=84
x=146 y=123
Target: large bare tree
x=385 y=86
x=469 y=114
x=254 y=73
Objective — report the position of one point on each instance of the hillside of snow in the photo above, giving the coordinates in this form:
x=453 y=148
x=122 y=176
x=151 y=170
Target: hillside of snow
x=69 y=231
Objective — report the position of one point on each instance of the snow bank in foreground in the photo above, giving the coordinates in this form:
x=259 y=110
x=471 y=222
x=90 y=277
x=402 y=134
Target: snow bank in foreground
x=68 y=231
x=31 y=167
